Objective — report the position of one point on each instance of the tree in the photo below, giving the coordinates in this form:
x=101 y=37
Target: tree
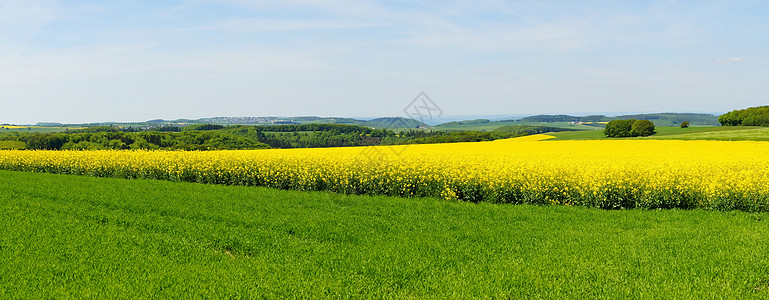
x=629 y=128
x=642 y=128
x=46 y=141
x=619 y=128
x=685 y=124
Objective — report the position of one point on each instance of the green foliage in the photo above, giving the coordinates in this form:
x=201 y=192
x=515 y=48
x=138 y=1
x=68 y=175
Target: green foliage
x=756 y=120
x=619 y=128
x=753 y=116
x=12 y=145
x=629 y=128
x=167 y=128
x=521 y=130
x=41 y=141
x=453 y=137
x=504 y=132
x=209 y=137
x=96 y=129
x=150 y=140
x=203 y=127
x=685 y=124
x=143 y=144
x=337 y=135
x=642 y=128
x=83 y=145
x=217 y=137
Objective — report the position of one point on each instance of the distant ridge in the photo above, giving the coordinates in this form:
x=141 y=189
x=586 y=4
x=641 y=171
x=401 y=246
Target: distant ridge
x=386 y=122
x=659 y=119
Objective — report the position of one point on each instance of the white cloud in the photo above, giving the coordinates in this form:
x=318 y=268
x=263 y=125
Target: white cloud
x=730 y=60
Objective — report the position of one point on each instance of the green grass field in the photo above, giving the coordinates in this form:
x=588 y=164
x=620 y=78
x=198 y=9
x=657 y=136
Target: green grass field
x=73 y=237
x=721 y=134
x=676 y=133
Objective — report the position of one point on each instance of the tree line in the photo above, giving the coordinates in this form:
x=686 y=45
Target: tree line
x=218 y=137
x=753 y=116
x=119 y=140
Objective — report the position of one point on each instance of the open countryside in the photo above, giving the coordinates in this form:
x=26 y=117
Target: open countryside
x=369 y=149
x=310 y=243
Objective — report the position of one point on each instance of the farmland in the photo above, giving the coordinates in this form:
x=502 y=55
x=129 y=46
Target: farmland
x=679 y=219
x=75 y=237
x=608 y=174
x=36 y=129
x=707 y=133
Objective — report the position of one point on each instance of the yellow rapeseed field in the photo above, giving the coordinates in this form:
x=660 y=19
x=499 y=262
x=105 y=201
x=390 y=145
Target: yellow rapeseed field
x=601 y=173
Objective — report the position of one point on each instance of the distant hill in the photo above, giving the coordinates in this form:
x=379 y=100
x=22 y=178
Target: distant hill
x=394 y=122
x=675 y=119
x=319 y=120
x=550 y=118
x=482 y=124
x=389 y=122
x=659 y=119
x=49 y=124
x=468 y=122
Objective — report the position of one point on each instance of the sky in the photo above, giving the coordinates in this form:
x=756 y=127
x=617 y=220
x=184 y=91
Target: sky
x=95 y=61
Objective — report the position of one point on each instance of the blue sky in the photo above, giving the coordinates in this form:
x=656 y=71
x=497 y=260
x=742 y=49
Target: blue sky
x=91 y=61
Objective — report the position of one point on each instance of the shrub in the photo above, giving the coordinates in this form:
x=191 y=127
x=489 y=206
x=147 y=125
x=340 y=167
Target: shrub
x=685 y=124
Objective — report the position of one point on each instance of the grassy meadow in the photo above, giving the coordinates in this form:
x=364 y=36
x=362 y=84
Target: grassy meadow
x=720 y=134
x=726 y=133
x=73 y=237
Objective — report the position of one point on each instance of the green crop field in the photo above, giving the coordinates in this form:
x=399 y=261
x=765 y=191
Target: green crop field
x=73 y=237
x=35 y=129
x=722 y=134
x=735 y=133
